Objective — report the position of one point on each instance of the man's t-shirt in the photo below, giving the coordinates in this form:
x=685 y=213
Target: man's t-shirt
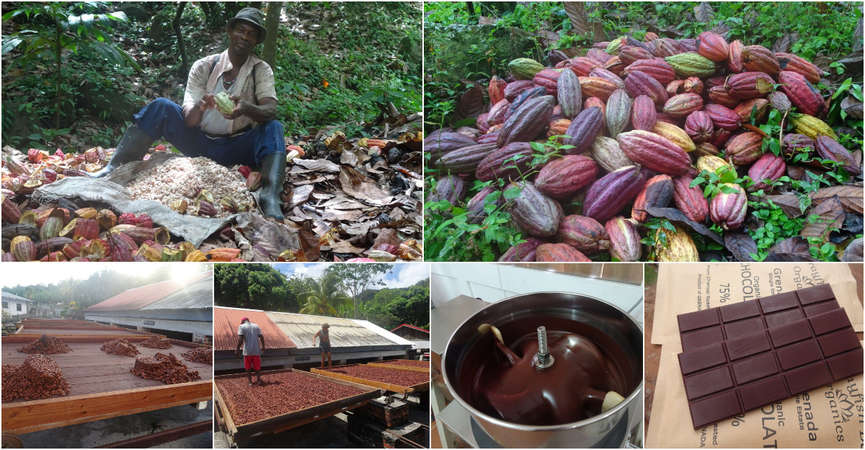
x=250 y=333
x=202 y=80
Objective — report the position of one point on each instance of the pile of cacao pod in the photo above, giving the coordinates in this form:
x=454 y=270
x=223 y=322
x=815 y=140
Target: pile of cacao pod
x=638 y=120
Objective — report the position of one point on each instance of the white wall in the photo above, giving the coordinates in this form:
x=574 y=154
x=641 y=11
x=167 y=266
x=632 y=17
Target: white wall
x=494 y=282
x=10 y=307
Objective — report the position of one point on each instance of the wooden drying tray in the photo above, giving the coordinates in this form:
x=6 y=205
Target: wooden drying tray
x=69 y=338
x=379 y=384
x=399 y=366
x=36 y=415
x=242 y=433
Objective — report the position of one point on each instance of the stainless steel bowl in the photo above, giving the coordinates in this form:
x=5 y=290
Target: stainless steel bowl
x=614 y=330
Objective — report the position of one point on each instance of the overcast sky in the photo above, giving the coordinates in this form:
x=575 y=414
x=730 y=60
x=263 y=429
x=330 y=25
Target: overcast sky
x=400 y=275
x=25 y=274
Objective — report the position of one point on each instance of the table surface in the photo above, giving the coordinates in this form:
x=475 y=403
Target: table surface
x=653 y=352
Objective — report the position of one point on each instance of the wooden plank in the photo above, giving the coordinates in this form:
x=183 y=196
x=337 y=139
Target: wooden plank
x=35 y=415
x=398 y=367
x=223 y=407
x=27 y=338
x=162 y=437
x=379 y=384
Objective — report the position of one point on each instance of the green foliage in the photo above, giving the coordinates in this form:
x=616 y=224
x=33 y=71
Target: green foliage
x=356 y=278
x=324 y=296
x=258 y=286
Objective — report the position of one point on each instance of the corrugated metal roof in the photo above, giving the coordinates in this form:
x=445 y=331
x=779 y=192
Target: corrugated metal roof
x=197 y=295
x=343 y=332
x=226 y=321
x=8 y=296
x=405 y=325
x=137 y=298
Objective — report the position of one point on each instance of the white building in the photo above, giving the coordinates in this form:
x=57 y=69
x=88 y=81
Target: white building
x=15 y=305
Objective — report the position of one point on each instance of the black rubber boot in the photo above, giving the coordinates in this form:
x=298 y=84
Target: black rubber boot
x=132 y=147
x=272 y=178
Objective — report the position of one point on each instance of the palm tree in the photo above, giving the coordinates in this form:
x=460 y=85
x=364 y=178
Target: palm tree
x=324 y=297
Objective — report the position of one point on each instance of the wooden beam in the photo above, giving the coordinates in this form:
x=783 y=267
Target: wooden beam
x=35 y=415
x=170 y=435
x=379 y=384
x=398 y=367
x=226 y=413
x=27 y=338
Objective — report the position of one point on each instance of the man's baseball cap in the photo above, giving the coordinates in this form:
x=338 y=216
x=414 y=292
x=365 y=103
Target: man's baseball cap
x=252 y=16
x=245 y=319
x=324 y=325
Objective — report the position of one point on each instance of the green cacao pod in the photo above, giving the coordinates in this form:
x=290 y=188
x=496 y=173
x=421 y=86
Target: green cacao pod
x=524 y=68
x=224 y=103
x=691 y=64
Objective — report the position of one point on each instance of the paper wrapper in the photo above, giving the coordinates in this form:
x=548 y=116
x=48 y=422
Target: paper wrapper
x=830 y=416
x=685 y=288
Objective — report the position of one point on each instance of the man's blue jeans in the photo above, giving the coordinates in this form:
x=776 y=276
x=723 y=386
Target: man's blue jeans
x=164 y=118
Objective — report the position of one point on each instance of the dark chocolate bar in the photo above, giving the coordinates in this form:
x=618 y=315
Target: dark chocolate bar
x=773 y=360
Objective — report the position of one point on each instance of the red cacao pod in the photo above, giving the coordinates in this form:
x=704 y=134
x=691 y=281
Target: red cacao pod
x=656 y=68
x=744 y=148
x=440 y=143
x=559 y=253
x=759 y=106
x=723 y=117
x=596 y=87
x=757 y=58
x=728 y=207
x=548 y=79
x=583 y=233
x=451 y=188
x=600 y=72
x=654 y=152
x=643 y=113
x=561 y=178
x=475 y=208
x=515 y=88
x=682 y=105
x=802 y=94
x=690 y=200
x=628 y=54
x=794 y=63
x=496 y=89
x=582 y=65
x=693 y=85
x=639 y=83
x=712 y=46
x=523 y=252
x=499 y=113
x=734 y=56
x=699 y=126
x=466 y=159
x=768 y=167
x=535 y=213
x=599 y=56
x=748 y=85
x=505 y=162
x=22 y=248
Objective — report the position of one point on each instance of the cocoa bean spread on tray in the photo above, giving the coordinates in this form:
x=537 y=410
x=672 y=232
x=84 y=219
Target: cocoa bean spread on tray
x=503 y=382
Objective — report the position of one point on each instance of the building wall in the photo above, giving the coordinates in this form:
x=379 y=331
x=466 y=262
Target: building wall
x=12 y=307
x=201 y=331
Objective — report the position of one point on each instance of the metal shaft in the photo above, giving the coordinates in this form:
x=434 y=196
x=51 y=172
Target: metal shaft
x=543 y=359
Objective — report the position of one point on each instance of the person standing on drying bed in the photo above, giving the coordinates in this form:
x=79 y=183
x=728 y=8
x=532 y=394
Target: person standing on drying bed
x=323 y=336
x=248 y=136
x=248 y=337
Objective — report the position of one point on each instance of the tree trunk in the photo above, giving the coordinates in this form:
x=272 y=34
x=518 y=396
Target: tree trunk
x=271 y=24
x=58 y=69
x=184 y=65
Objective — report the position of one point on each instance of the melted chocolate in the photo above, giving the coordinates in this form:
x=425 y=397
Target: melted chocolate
x=502 y=381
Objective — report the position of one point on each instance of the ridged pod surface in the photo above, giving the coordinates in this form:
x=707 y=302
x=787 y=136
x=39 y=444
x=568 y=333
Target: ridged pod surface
x=610 y=193
x=569 y=94
x=699 y=126
x=683 y=104
x=734 y=57
x=744 y=148
x=451 y=188
x=628 y=54
x=638 y=83
x=676 y=135
x=654 y=152
x=812 y=127
x=665 y=47
x=618 y=112
x=759 y=106
x=597 y=87
x=598 y=55
x=723 y=117
x=802 y=94
x=795 y=63
x=440 y=143
x=747 y=85
x=657 y=192
x=496 y=89
x=829 y=148
x=600 y=72
x=548 y=79
x=515 y=88
x=524 y=68
x=559 y=252
x=493 y=165
x=466 y=159
x=728 y=209
x=535 y=213
x=525 y=96
x=713 y=164
x=607 y=153
x=581 y=65
x=656 y=68
x=563 y=177
x=643 y=113
x=768 y=167
x=690 y=200
x=712 y=46
x=757 y=58
x=624 y=239
x=475 y=208
x=522 y=252
x=527 y=122
x=584 y=129
x=583 y=233
x=720 y=95
x=679 y=247
x=558 y=127
x=499 y=112
x=691 y=64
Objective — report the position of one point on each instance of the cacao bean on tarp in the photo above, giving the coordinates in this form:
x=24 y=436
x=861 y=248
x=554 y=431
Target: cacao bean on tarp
x=794 y=249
